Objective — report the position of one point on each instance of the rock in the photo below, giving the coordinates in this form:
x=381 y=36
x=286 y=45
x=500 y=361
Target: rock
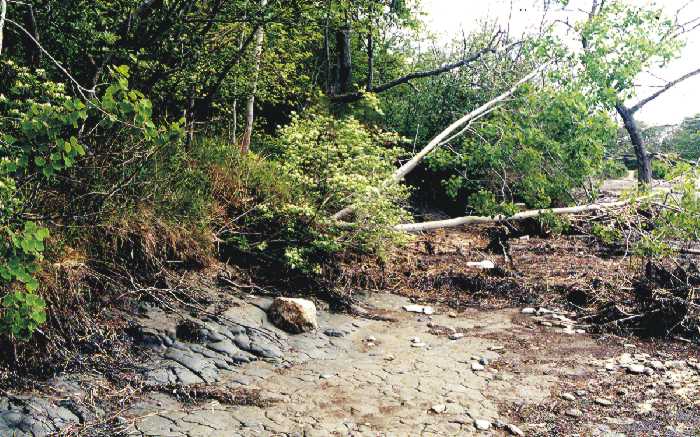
x=486 y=264
x=389 y=358
x=636 y=369
x=477 y=367
x=580 y=392
x=482 y=425
x=334 y=333
x=456 y=336
x=293 y=315
x=514 y=430
x=438 y=408
x=568 y=397
x=528 y=310
x=604 y=402
x=414 y=340
x=574 y=412
x=371 y=339
x=496 y=348
x=421 y=309
x=546 y=324
x=483 y=361
x=419 y=344
x=325 y=376
x=648 y=371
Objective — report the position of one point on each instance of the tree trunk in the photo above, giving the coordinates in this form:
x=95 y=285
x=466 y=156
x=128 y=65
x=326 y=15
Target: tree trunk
x=370 y=60
x=344 y=60
x=3 y=13
x=250 y=105
x=643 y=161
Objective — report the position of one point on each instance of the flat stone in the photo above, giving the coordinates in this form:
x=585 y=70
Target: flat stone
x=636 y=369
x=334 y=333
x=514 y=430
x=456 y=336
x=604 y=402
x=438 y=408
x=477 y=367
x=568 y=396
x=421 y=309
x=528 y=310
x=574 y=412
x=482 y=425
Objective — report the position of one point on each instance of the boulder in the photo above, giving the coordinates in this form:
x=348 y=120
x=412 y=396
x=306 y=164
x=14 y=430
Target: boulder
x=293 y=315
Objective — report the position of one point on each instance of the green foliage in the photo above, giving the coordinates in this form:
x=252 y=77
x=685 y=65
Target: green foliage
x=537 y=150
x=622 y=41
x=612 y=169
x=685 y=140
x=553 y=224
x=608 y=234
x=41 y=137
x=322 y=164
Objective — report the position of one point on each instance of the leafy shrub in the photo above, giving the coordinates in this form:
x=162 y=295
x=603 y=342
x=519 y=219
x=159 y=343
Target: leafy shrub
x=537 y=150
x=41 y=137
x=321 y=165
x=612 y=169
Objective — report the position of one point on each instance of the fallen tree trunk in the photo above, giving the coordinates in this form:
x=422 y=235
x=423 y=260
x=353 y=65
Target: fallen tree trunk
x=471 y=220
x=402 y=171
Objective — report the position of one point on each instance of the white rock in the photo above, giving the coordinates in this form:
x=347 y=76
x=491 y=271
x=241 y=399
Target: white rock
x=414 y=340
x=482 y=425
x=528 y=310
x=477 y=367
x=486 y=264
x=439 y=408
x=604 y=402
x=371 y=339
x=293 y=315
x=657 y=365
x=568 y=396
x=514 y=430
x=637 y=369
x=456 y=336
x=326 y=376
x=421 y=309
x=418 y=344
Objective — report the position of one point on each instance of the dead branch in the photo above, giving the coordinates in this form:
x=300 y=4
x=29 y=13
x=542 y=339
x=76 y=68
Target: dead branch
x=401 y=172
x=471 y=220
x=3 y=14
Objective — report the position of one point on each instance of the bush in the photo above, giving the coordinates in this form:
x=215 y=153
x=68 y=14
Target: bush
x=42 y=137
x=537 y=150
x=613 y=170
x=320 y=165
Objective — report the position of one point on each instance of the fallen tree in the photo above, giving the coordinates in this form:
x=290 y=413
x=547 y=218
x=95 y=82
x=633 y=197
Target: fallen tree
x=405 y=169
x=472 y=220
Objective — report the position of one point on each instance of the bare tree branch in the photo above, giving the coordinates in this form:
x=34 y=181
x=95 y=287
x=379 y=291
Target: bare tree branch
x=472 y=220
x=352 y=97
x=665 y=88
x=402 y=171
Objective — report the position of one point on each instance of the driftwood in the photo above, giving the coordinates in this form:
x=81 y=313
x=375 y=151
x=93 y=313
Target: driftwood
x=471 y=220
x=401 y=172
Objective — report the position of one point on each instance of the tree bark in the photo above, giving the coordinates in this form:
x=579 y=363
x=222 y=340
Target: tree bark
x=472 y=220
x=370 y=60
x=250 y=104
x=3 y=13
x=643 y=161
x=344 y=60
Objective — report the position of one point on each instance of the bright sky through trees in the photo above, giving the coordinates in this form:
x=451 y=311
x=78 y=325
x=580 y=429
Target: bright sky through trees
x=447 y=18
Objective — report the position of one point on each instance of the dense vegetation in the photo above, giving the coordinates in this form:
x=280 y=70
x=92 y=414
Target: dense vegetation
x=134 y=131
